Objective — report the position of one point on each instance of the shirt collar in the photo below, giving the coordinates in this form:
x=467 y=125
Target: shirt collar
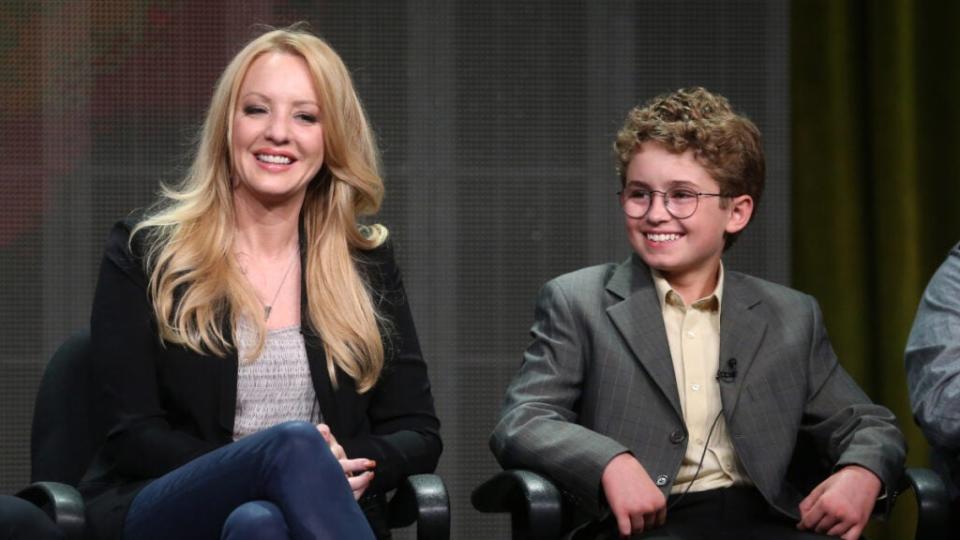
x=668 y=296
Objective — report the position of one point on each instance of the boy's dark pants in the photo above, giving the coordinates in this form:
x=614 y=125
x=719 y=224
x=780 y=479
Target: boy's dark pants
x=735 y=513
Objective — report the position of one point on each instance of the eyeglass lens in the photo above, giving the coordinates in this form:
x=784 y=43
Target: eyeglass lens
x=681 y=203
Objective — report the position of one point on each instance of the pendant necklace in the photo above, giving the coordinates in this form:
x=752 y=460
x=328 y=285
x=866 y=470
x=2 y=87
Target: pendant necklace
x=268 y=307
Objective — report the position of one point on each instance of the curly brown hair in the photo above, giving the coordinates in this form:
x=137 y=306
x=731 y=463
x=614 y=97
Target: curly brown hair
x=725 y=143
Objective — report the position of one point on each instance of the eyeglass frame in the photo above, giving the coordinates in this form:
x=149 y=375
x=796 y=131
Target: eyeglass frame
x=666 y=201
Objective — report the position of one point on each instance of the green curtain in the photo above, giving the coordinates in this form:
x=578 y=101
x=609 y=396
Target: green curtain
x=876 y=179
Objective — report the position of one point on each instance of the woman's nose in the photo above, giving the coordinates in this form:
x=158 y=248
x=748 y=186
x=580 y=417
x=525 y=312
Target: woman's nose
x=276 y=131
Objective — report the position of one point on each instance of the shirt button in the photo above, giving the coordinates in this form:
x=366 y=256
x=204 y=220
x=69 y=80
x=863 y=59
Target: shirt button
x=691 y=334
x=699 y=441
x=695 y=387
x=677 y=437
x=662 y=480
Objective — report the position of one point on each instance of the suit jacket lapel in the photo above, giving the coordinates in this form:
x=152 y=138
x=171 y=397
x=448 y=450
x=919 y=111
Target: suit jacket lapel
x=742 y=326
x=639 y=319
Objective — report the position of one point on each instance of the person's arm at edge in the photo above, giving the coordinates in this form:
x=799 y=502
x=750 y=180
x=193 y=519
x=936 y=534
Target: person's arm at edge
x=933 y=357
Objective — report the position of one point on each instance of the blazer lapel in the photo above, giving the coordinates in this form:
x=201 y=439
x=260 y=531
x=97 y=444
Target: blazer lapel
x=742 y=327
x=228 y=386
x=322 y=385
x=639 y=319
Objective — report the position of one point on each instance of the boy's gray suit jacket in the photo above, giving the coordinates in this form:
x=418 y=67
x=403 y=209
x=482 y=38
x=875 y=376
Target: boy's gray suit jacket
x=598 y=380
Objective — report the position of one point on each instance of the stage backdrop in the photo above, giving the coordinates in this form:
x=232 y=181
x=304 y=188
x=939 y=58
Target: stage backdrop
x=495 y=118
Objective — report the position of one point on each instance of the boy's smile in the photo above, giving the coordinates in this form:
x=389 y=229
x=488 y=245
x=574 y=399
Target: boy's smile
x=686 y=251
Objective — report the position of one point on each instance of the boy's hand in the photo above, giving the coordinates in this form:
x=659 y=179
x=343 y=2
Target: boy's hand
x=841 y=504
x=637 y=503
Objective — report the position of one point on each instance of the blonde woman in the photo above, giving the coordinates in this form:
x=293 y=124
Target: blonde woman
x=259 y=364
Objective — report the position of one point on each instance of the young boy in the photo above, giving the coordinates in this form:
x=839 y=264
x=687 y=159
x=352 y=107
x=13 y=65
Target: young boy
x=667 y=395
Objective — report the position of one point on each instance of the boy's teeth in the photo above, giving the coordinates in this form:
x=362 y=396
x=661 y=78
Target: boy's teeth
x=281 y=160
x=663 y=237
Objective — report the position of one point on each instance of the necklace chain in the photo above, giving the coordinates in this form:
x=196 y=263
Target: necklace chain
x=269 y=307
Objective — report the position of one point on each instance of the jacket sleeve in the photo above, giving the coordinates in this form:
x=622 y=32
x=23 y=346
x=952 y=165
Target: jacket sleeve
x=125 y=348
x=933 y=357
x=404 y=434
x=538 y=427
x=846 y=425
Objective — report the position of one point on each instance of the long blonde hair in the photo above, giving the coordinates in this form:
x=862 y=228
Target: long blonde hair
x=195 y=284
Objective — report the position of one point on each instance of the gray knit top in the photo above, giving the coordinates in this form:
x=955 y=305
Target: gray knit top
x=276 y=386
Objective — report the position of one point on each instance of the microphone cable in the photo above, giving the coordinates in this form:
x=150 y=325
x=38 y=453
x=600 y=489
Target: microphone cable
x=722 y=376
x=703 y=456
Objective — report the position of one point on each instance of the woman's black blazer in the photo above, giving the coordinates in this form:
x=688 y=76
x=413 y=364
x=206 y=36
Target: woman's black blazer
x=163 y=405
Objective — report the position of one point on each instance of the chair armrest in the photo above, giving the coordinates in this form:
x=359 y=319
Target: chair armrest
x=933 y=503
x=422 y=498
x=533 y=501
x=61 y=502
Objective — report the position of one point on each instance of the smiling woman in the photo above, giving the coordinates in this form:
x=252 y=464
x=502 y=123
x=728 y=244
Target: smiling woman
x=239 y=328
x=277 y=143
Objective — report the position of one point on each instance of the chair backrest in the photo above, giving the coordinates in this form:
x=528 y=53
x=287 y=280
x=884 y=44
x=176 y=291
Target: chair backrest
x=64 y=438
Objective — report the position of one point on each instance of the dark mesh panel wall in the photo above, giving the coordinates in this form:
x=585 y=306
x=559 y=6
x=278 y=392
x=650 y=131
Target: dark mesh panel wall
x=495 y=119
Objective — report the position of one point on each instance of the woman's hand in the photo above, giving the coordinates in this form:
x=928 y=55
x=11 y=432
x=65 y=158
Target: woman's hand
x=332 y=442
x=359 y=471
x=359 y=474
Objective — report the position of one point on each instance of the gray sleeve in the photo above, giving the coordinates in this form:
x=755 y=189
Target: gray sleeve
x=933 y=357
x=852 y=429
x=538 y=428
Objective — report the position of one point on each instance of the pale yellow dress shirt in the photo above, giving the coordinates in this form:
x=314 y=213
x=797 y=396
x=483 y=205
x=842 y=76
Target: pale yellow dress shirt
x=693 y=333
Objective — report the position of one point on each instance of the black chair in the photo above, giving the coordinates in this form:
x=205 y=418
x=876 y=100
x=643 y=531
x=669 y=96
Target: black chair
x=65 y=437
x=56 y=439
x=540 y=511
x=21 y=518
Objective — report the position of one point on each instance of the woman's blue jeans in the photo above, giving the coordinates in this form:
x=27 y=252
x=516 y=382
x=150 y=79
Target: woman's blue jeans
x=282 y=482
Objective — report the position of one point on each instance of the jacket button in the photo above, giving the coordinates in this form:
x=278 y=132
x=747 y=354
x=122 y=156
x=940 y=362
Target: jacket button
x=677 y=437
x=662 y=480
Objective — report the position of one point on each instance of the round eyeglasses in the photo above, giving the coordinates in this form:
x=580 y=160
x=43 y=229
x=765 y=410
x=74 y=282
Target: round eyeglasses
x=681 y=203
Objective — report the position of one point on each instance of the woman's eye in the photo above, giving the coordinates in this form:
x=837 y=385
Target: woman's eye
x=253 y=109
x=307 y=118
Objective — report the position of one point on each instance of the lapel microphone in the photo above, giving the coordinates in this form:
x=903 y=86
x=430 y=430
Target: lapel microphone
x=729 y=374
